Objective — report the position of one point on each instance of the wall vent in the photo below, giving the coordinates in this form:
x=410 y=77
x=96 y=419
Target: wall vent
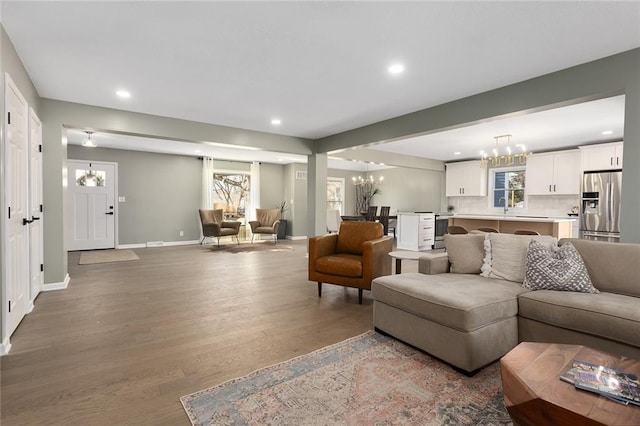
x=155 y=243
x=301 y=174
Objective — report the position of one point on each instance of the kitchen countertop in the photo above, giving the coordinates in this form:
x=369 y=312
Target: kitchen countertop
x=513 y=218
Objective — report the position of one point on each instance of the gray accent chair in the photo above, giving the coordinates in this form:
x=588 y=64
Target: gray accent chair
x=214 y=225
x=267 y=222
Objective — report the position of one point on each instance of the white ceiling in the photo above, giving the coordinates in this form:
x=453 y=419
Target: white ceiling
x=318 y=66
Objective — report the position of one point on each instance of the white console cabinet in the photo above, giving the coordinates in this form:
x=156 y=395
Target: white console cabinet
x=416 y=231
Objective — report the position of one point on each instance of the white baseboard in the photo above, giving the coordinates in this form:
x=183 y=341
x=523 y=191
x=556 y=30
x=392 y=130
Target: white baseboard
x=293 y=237
x=30 y=307
x=57 y=286
x=5 y=347
x=130 y=246
x=164 y=244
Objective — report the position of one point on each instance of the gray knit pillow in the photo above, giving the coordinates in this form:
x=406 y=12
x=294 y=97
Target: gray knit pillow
x=561 y=270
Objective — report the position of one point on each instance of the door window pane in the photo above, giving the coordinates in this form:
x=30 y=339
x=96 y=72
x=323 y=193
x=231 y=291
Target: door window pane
x=90 y=177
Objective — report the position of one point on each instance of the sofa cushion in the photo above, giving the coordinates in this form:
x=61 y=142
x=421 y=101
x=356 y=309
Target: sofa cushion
x=506 y=254
x=346 y=265
x=352 y=236
x=560 y=270
x=466 y=252
x=607 y=315
x=460 y=301
x=600 y=258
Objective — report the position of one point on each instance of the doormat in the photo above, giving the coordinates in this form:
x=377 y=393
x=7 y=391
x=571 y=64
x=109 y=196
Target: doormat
x=106 y=256
x=368 y=379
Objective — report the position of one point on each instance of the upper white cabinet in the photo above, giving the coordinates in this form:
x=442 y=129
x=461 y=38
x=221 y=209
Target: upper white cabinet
x=607 y=156
x=466 y=178
x=554 y=173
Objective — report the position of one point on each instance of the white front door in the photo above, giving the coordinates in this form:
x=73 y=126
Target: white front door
x=36 y=236
x=16 y=248
x=91 y=207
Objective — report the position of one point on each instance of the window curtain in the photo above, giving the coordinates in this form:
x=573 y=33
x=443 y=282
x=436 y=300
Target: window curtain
x=207 y=183
x=255 y=190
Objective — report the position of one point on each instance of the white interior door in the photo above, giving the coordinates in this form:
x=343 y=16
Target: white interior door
x=36 y=236
x=91 y=205
x=16 y=243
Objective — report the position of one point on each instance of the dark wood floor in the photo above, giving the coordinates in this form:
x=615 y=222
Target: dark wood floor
x=126 y=340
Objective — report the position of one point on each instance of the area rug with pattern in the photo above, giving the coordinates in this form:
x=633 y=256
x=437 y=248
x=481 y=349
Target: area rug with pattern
x=266 y=246
x=106 y=256
x=366 y=380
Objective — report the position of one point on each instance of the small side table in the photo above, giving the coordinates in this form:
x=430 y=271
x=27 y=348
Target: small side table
x=406 y=255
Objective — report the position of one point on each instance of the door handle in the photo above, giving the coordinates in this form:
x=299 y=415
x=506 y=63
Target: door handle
x=25 y=221
x=109 y=213
x=34 y=218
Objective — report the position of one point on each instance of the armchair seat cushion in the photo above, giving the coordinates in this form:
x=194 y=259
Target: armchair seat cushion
x=224 y=232
x=264 y=230
x=346 y=265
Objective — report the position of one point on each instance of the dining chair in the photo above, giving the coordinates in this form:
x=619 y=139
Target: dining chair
x=456 y=229
x=372 y=213
x=488 y=229
x=384 y=218
x=526 y=232
x=333 y=220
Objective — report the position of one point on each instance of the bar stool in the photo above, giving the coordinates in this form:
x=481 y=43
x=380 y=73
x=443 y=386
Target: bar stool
x=526 y=232
x=488 y=229
x=455 y=229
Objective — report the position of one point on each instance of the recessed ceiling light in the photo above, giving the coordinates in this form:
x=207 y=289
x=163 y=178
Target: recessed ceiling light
x=276 y=121
x=457 y=153
x=124 y=94
x=396 y=69
x=607 y=132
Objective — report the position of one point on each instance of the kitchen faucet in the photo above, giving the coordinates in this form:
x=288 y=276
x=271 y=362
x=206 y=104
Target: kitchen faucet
x=505 y=204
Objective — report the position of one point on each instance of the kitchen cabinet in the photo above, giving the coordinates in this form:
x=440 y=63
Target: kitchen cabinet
x=466 y=179
x=606 y=156
x=416 y=231
x=554 y=173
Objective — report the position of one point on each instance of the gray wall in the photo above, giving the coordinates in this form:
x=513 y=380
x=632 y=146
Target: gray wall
x=58 y=115
x=403 y=189
x=272 y=186
x=162 y=193
x=614 y=75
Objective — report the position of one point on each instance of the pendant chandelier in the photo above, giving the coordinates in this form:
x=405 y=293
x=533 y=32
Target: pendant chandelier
x=503 y=154
x=88 y=142
x=367 y=180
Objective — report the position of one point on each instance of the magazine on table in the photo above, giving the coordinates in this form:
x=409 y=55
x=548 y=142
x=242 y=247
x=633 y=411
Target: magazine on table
x=620 y=386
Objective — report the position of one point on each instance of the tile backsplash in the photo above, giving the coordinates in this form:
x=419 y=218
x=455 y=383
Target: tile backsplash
x=537 y=205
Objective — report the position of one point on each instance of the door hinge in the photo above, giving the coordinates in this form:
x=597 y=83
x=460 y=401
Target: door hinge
x=9 y=212
x=40 y=148
x=9 y=117
x=42 y=267
x=9 y=306
x=40 y=208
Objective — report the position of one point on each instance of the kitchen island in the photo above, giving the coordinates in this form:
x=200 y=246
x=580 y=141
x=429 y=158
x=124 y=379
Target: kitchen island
x=556 y=227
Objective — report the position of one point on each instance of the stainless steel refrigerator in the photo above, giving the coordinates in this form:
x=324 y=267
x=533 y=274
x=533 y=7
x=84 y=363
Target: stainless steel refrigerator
x=600 y=213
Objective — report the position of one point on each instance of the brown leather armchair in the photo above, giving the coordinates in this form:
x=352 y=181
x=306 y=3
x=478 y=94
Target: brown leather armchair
x=214 y=226
x=353 y=257
x=267 y=222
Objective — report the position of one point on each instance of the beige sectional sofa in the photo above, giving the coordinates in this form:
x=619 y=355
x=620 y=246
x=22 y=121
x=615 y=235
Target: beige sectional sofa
x=453 y=313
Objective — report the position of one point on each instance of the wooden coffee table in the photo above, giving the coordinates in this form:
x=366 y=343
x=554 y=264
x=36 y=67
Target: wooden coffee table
x=534 y=395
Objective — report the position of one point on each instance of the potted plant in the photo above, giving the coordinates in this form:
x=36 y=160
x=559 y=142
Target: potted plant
x=282 y=229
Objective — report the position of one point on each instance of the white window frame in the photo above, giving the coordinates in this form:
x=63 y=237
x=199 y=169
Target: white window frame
x=344 y=188
x=492 y=189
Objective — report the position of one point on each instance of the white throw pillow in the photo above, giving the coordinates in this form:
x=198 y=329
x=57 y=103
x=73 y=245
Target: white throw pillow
x=505 y=255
